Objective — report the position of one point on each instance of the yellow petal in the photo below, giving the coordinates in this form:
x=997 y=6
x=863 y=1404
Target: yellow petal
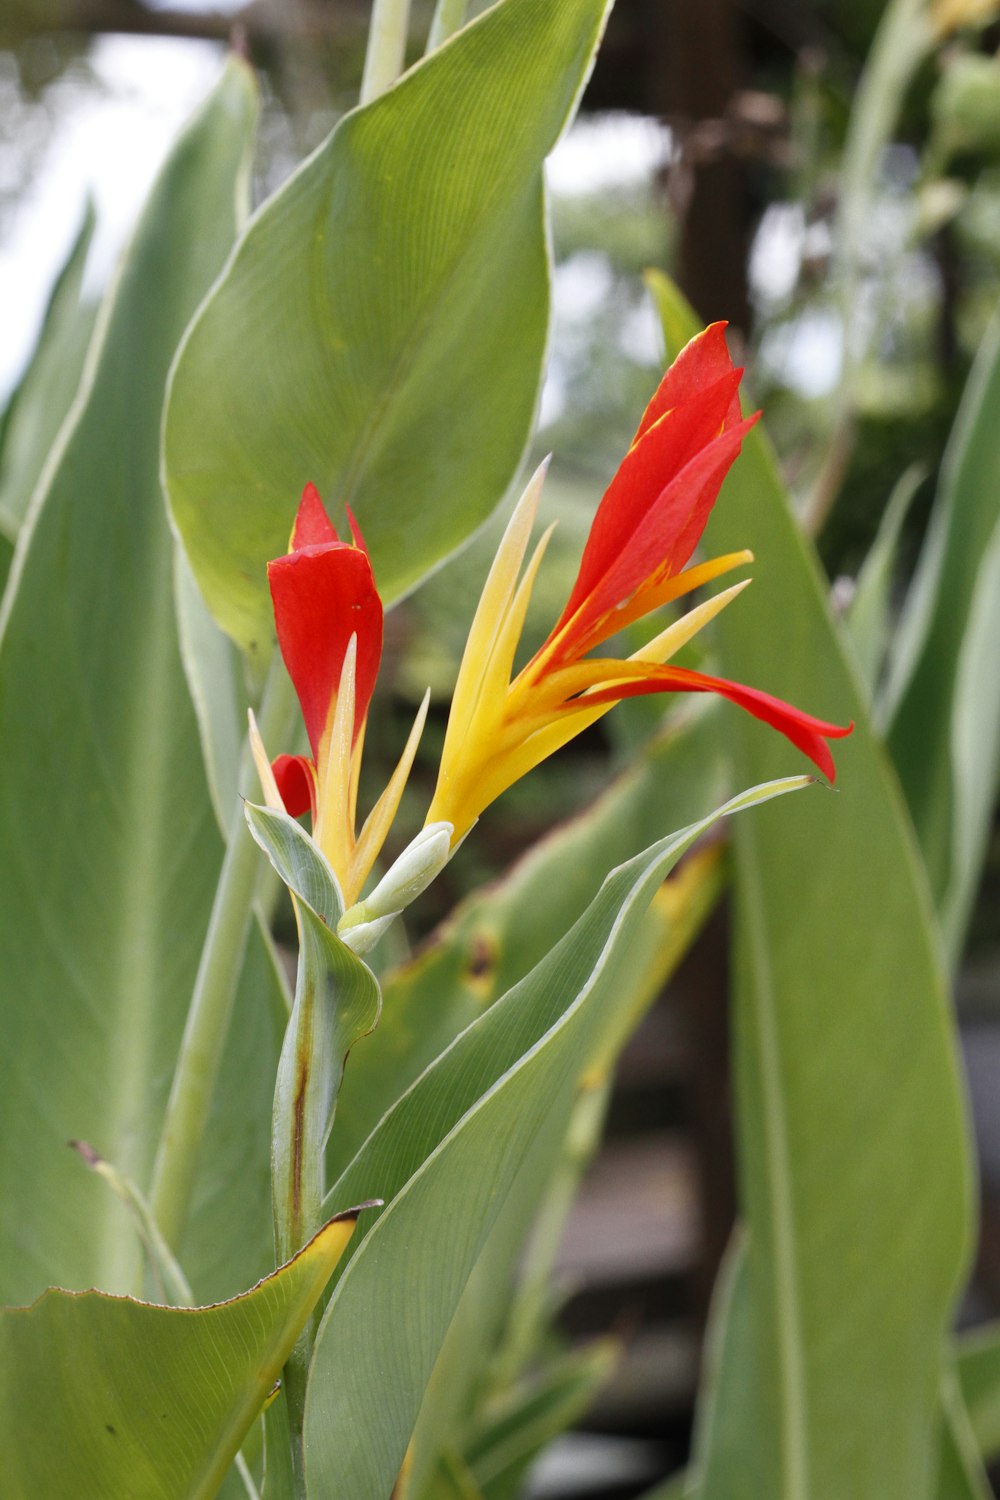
x=268 y=785
x=380 y=819
x=662 y=647
x=494 y=602
x=334 y=831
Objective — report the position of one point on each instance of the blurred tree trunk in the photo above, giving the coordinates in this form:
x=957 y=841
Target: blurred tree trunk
x=693 y=72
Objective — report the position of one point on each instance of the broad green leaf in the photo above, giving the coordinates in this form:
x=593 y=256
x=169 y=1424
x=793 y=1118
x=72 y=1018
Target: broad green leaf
x=214 y=672
x=107 y=839
x=229 y=1238
x=105 y=1396
x=496 y=936
x=869 y=617
x=43 y=398
x=464 y=1374
x=501 y=1327
x=381 y=328
x=943 y=694
x=445 y=1159
x=734 y=1406
x=855 y=1154
x=978 y=1365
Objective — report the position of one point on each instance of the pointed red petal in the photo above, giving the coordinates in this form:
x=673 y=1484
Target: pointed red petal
x=359 y=540
x=805 y=732
x=644 y=474
x=297 y=783
x=323 y=595
x=313 y=526
x=703 y=360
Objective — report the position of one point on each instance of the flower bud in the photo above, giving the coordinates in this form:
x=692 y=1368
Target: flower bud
x=420 y=862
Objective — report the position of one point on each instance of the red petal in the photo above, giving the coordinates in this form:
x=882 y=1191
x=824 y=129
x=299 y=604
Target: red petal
x=703 y=360
x=297 y=783
x=642 y=478
x=359 y=540
x=313 y=526
x=808 y=734
x=323 y=595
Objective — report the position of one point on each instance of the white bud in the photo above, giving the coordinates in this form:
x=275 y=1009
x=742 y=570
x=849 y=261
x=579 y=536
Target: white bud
x=421 y=861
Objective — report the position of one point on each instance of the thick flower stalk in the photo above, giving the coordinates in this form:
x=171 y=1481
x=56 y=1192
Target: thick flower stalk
x=636 y=559
x=329 y=622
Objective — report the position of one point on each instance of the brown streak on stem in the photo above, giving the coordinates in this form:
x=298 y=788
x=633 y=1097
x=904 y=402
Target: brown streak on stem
x=298 y=1116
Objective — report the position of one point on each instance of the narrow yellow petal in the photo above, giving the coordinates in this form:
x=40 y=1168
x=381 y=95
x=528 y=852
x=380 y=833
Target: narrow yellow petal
x=268 y=785
x=663 y=646
x=496 y=677
x=334 y=831
x=494 y=602
x=380 y=819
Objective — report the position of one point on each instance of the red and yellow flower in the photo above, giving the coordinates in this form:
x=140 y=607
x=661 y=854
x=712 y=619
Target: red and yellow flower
x=329 y=623
x=636 y=559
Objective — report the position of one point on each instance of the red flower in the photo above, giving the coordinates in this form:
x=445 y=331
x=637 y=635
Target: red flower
x=643 y=535
x=329 y=622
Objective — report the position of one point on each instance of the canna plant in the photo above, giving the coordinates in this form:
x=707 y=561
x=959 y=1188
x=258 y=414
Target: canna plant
x=384 y=1157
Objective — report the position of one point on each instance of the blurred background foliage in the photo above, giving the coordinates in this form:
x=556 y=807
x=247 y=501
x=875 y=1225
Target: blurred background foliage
x=711 y=145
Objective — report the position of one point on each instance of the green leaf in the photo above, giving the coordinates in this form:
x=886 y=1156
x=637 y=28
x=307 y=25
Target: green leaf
x=297 y=861
x=214 y=672
x=855 y=1152
x=869 y=617
x=229 y=1238
x=512 y=1435
x=496 y=936
x=733 y=1404
x=381 y=328
x=103 y=1396
x=107 y=839
x=43 y=398
x=979 y=1377
x=961 y=1475
x=445 y=1159
x=943 y=694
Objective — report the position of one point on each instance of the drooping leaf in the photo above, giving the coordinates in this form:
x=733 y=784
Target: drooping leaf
x=40 y=403
x=444 y=1159
x=494 y=938
x=943 y=694
x=381 y=328
x=107 y=839
x=103 y=1396
x=855 y=1154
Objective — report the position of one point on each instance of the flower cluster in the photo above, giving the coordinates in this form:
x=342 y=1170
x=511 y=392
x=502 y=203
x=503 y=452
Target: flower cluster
x=636 y=559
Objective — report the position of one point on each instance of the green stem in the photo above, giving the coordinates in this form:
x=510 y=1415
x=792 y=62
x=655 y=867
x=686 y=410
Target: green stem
x=309 y=1072
x=211 y=1006
x=384 y=58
